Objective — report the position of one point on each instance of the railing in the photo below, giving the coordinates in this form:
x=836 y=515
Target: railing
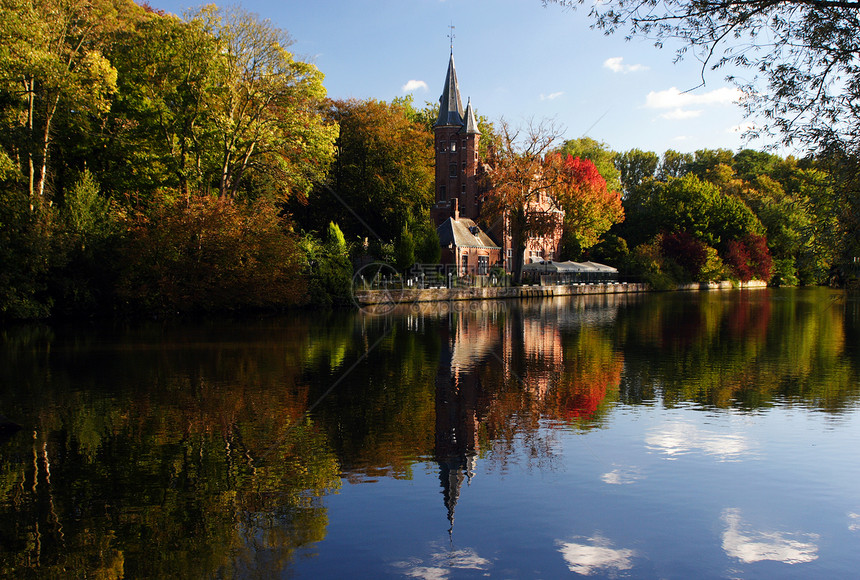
x=423 y=276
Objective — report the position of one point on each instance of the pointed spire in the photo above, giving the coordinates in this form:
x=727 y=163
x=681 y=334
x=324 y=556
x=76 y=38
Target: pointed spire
x=450 y=105
x=471 y=125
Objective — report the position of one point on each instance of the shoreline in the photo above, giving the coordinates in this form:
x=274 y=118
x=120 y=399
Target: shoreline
x=413 y=295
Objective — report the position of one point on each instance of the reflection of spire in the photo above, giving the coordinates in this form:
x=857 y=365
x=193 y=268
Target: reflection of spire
x=458 y=390
x=451 y=475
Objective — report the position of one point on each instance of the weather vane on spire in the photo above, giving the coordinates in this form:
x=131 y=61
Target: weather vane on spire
x=451 y=37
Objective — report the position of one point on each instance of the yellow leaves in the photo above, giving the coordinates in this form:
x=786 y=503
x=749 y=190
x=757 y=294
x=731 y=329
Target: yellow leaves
x=97 y=78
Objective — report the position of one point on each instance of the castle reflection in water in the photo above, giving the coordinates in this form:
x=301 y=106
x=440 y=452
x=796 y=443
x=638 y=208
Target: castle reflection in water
x=492 y=356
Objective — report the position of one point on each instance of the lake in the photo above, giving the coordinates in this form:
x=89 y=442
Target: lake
x=670 y=435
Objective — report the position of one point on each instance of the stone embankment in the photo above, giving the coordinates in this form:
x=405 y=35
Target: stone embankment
x=413 y=295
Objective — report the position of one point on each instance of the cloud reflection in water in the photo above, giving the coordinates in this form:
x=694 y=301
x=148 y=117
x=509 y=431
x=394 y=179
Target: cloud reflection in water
x=680 y=438
x=596 y=556
x=442 y=564
x=621 y=476
x=750 y=546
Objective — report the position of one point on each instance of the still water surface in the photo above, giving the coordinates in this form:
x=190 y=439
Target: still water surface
x=712 y=435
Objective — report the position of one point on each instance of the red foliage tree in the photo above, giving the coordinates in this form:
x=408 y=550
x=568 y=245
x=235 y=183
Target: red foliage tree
x=760 y=257
x=750 y=258
x=591 y=208
x=686 y=251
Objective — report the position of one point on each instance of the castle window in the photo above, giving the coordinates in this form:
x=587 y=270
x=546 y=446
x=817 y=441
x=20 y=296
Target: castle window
x=464 y=167
x=442 y=193
x=452 y=170
x=453 y=145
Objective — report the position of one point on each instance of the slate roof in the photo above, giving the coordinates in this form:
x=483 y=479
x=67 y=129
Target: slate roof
x=450 y=105
x=464 y=233
x=471 y=126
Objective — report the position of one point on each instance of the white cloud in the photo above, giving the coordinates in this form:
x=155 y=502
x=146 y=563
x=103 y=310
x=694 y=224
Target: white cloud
x=587 y=559
x=551 y=96
x=681 y=114
x=413 y=85
x=750 y=546
x=676 y=439
x=616 y=65
x=854 y=522
x=674 y=99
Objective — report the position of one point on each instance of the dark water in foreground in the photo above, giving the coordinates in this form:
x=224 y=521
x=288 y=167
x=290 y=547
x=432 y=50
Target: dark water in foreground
x=644 y=436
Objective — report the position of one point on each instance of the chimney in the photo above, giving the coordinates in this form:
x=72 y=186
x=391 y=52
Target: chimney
x=456 y=208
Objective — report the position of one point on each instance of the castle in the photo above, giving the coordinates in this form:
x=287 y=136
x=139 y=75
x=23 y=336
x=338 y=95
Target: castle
x=461 y=182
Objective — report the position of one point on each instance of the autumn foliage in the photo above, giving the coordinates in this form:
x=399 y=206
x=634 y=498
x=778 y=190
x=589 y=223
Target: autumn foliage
x=750 y=258
x=686 y=251
x=591 y=208
x=209 y=254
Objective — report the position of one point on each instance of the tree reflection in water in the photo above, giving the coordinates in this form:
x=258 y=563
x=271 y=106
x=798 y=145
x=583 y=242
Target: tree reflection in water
x=209 y=449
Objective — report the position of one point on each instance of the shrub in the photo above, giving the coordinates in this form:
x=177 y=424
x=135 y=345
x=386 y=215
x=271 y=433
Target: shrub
x=327 y=268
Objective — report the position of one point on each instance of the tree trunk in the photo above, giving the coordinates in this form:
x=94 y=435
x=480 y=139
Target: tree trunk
x=45 y=144
x=516 y=223
x=31 y=167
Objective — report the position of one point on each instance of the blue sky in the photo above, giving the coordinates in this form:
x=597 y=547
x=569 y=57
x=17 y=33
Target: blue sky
x=515 y=59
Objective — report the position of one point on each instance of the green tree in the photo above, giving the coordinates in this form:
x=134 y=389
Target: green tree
x=52 y=63
x=674 y=164
x=162 y=124
x=382 y=177
x=803 y=79
x=704 y=160
x=329 y=271
x=267 y=112
x=405 y=250
x=427 y=250
x=634 y=166
x=84 y=261
x=689 y=204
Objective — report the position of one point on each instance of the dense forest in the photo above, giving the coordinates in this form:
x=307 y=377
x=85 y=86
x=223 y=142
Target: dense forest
x=157 y=164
